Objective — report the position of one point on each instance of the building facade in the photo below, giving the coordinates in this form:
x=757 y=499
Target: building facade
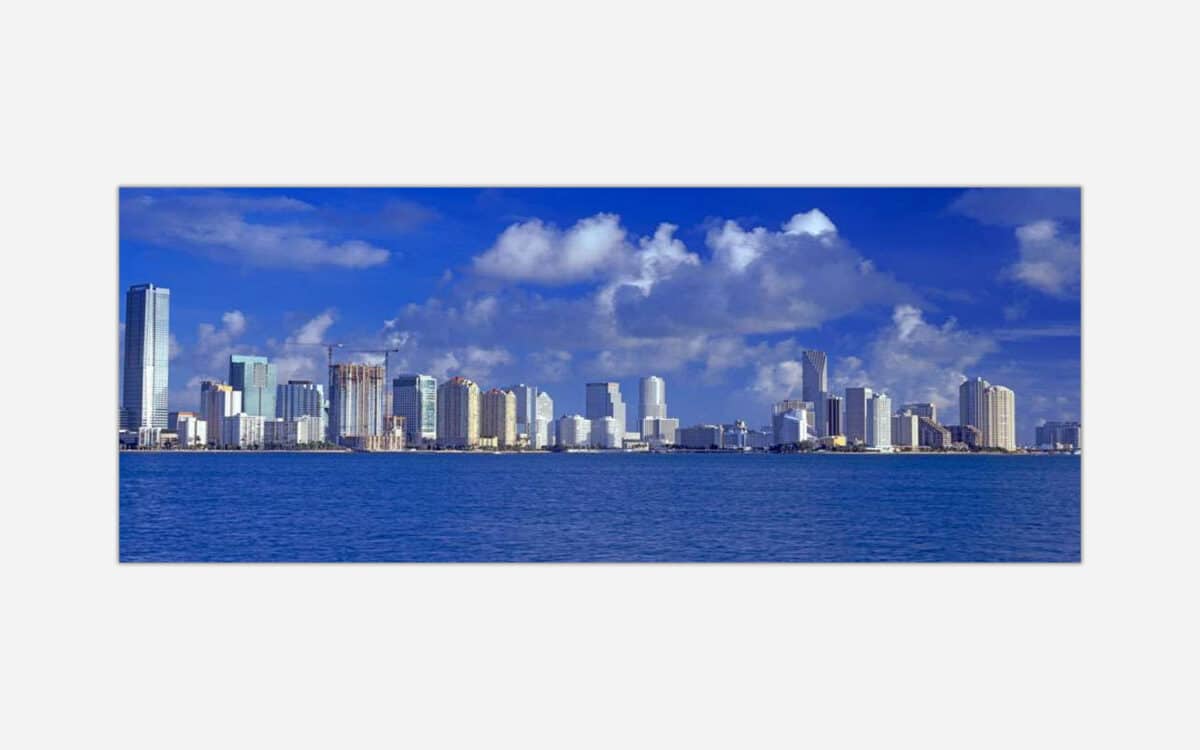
x=652 y=398
x=543 y=423
x=303 y=398
x=147 y=354
x=970 y=402
x=357 y=400
x=526 y=396
x=242 y=431
x=255 y=377
x=1000 y=418
x=701 y=437
x=927 y=410
x=906 y=430
x=573 y=431
x=607 y=433
x=1060 y=436
x=218 y=402
x=415 y=397
x=604 y=400
x=659 y=431
x=856 y=414
x=930 y=434
x=833 y=415
x=966 y=434
x=192 y=431
x=879 y=422
x=458 y=413
x=815 y=373
x=499 y=417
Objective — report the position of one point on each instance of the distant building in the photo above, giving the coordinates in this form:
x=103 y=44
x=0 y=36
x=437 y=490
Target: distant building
x=151 y=437
x=1060 y=436
x=856 y=414
x=242 y=431
x=758 y=439
x=701 y=436
x=831 y=415
x=652 y=398
x=147 y=357
x=303 y=398
x=543 y=433
x=192 y=431
x=829 y=442
x=1000 y=418
x=498 y=418
x=573 y=431
x=930 y=434
x=288 y=433
x=659 y=431
x=815 y=375
x=735 y=436
x=218 y=402
x=414 y=397
x=970 y=403
x=790 y=427
x=879 y=422
x=458 y=413
x=390 y=439
x=255 y=377
x=358 y=400
x=905 y=430
x=966 y=434
x=924 y=409
x=604 y=400
x=607 y=433
x=526 y=396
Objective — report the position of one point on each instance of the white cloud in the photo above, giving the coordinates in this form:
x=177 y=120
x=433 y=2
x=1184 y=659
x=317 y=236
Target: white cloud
x=533 y=251
x=1049 y=260
x=814 y=223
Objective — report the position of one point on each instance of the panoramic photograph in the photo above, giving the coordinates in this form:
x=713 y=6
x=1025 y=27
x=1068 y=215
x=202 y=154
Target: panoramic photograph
x=589 y=375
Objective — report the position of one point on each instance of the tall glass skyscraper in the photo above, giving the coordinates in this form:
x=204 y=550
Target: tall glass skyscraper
x=526 y=407
x=815 y=372
x=255 y=377
x=604 y=400
x=652 y=398
x=970 y=402
x=414 y=397
x=147 y=352
x=301 y=398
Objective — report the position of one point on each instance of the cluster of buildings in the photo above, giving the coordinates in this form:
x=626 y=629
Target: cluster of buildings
x=362 y=409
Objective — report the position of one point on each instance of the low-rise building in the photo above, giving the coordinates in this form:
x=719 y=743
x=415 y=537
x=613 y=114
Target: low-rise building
x=932 y=435
x=573 y=431
x=607 y=433
x=192 y=431
x=965 y=434
x=701 y=436
x=242 y=431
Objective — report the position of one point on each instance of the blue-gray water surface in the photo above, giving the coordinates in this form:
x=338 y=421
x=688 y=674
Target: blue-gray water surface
x=586 y=507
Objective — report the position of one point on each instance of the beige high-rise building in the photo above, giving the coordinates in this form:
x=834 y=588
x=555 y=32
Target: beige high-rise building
x=458 y=413
x=1000 y=418
x=499 y=418
x=357 y=401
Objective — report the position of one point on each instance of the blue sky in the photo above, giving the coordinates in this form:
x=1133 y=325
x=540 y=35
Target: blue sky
x=716 y=289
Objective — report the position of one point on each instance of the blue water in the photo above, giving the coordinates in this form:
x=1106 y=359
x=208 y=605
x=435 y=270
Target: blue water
x=297 y=507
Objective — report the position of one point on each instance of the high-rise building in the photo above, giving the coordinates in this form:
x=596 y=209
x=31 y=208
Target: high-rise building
x=255 y=377
x=303 y=398
x=192 y=431
x=815 y=372
x=414 y=397
x=573 y=431
x=833 y=415
x=526 y=408
x=906 y=430
x=659 y=431
x=458 y=413
x=970 y=403
x=927 y=410
x=499 y=417
x=606 y=433
x=790 y=427
x=856 y=414
x=966 y=434
x=604 y=400
x=357 y=401
x=543 y=423
x=1000 y=418
x=218 y=402
x=879 y=422
x=930 y=434
x=1060 y=436
x=652 y=398
x=147 y=353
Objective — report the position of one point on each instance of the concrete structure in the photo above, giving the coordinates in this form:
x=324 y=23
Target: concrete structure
x=906 y=430
x=652 y=398
x=358 y=401
x=879 y=422
x=288 y=433
x=815 y=372
x=242 y=431
x=1000 y=418
x=498 y=417
x=606 y=432
x=970 y=403
x=218 y=402
x=573 y=431
x=255 y=377
x=1060 y=436
x=701 y=436
x=735 y=437
x=604 y=400
x=830 y=442
x=930 y=434
x=147 y=353
x=927 y=410
x=543 y=424
x=414 y=397
x=659 y=431
x=790 y=427
x=458 y=413
x=526 y=396
x=966 y=434
x=829 y=417
x=390 y=439
x=758 y=439
x=303 y=398
x=856 y=414
x=192 y=431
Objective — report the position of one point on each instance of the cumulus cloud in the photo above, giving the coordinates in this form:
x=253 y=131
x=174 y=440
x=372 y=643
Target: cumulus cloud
x=1049 y=259
x=270 y=232
x=534 y=251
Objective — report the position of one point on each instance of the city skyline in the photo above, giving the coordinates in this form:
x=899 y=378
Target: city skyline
x=505 y=322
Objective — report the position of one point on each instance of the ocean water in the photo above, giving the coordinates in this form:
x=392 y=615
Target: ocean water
x=312 y=507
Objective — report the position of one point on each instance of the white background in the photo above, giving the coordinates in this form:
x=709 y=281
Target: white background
x=101 y=94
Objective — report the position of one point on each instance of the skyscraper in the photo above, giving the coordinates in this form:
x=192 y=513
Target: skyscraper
x=856 y=414
x=499 y=417
x=147 y=353
x=302 y=398
x=604 y=400
x=927 y=410
x=652 y=398
x=414 y=397
x=543 y=433
x=833 y=414
x=526 y=407
x=879 y=422
x=1000 y=418
x=218 y=402
x=970 y=402
x=458 y=413
x=815 y=372
x=255 y=377
x=906 y=430
x=357 y=401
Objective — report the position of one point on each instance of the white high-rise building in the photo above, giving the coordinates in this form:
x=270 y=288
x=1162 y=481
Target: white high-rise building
x=660 y=431
x=790 y=426
x=357 y=401
x=573 y=431
x=414 y=397
x=543 y=432
x=526 y=408
x=607 y=433
x=1000 y=418
x=652 y=398
x=970 y=402
x=815 y=374
x=856 y=414
x=302 y=398
x=218 y=402
x=147 y=354
x=905 y=430
x=604 y=400
x=458 y=413
x=879 y=422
